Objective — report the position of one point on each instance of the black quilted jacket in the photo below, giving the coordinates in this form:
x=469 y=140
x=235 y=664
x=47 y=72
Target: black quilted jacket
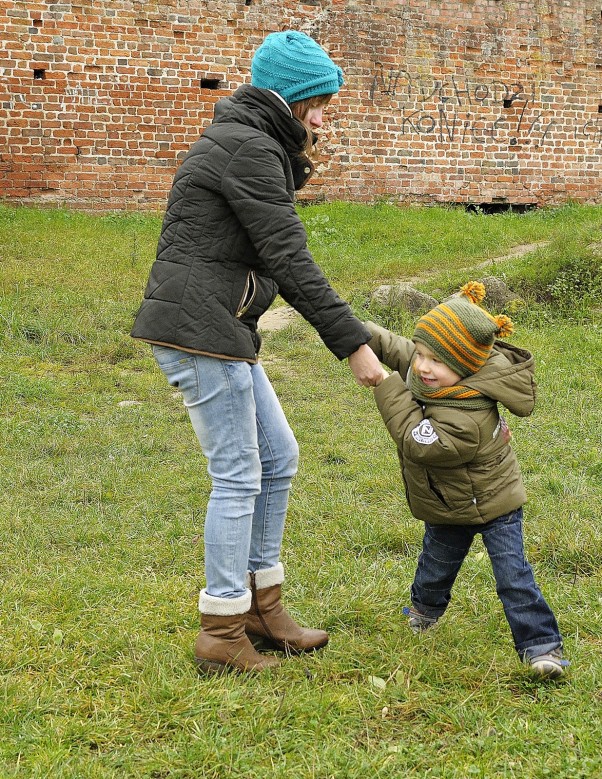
x=231 y=239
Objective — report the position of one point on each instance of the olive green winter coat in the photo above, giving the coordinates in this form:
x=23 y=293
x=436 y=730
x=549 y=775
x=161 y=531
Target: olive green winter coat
x=456 y=465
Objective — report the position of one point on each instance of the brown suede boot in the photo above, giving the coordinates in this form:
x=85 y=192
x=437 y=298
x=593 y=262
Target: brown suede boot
x=268 y=623
x=222 y=645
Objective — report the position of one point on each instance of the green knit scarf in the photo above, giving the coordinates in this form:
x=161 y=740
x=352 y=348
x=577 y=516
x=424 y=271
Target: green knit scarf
x=456 y=396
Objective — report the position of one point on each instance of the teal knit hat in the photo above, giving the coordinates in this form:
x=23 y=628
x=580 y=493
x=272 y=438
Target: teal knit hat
x=294 y=65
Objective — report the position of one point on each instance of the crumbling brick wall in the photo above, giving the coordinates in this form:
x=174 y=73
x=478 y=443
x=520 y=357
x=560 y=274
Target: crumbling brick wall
x=466 y=101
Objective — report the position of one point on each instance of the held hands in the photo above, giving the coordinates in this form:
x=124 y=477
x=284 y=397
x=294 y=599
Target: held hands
x=366 y=367
x=383 y=376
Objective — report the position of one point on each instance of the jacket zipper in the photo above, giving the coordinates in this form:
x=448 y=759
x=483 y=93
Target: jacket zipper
x=248 y=295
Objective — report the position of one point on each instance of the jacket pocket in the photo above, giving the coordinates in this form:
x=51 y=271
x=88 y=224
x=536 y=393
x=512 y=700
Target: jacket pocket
x=436 y=491
x=248 y=295
x=453 y=487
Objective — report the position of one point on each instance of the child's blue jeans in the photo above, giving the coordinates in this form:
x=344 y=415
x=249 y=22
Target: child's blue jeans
x=532 y=622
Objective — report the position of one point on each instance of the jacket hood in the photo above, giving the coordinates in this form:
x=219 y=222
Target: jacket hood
x=508 y=378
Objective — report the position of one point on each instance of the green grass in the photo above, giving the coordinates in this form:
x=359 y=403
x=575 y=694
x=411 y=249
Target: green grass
x=101 y=512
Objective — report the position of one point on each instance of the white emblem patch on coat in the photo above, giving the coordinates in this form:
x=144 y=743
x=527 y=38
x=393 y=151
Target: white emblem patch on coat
x=424 y=433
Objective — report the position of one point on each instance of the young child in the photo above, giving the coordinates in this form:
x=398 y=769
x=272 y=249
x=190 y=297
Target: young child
x=461 y=475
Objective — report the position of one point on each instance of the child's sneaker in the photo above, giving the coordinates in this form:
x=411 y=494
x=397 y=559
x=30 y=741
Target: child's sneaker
x=549 y=666
x=418 y=622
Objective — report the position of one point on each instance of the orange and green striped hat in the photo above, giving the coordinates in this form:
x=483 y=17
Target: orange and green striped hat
x=460 y=332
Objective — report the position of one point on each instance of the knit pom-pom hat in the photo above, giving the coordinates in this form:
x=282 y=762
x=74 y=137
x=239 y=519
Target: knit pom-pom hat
x=294 y=65
x=460 y=332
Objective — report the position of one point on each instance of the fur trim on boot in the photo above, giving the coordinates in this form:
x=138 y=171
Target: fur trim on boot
x=269 y=625
x=222 y=645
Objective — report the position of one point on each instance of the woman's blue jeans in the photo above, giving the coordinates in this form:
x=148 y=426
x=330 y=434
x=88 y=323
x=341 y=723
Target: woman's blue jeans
x=252 y=456
x=532 y=622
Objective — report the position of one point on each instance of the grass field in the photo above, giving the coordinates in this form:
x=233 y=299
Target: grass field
x=102 y=499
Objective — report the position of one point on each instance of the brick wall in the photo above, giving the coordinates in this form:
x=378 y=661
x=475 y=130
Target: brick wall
x=463 y=101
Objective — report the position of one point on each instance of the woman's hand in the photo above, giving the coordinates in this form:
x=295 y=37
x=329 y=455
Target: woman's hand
x=366 y=367
x=384 y=374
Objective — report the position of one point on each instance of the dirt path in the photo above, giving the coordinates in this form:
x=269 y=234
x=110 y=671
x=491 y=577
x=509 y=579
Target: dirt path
x=279 y=318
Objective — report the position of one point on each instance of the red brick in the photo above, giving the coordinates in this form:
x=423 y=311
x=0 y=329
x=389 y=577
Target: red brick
x=421 y=117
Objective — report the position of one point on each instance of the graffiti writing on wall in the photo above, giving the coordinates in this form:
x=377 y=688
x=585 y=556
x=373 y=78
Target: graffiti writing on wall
x=74 y=96
x=450 y=111
x=84 y=96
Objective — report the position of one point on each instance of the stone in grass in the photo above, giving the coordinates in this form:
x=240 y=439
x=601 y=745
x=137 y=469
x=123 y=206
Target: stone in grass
x=497 y=294
x=403 y=296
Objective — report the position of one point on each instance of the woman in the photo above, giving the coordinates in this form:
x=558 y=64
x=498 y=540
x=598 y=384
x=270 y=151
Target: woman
x=231 y=240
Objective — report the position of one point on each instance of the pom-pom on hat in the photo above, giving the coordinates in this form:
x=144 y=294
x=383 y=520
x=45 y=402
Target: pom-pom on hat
x=294 y=65
x=460 y=332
